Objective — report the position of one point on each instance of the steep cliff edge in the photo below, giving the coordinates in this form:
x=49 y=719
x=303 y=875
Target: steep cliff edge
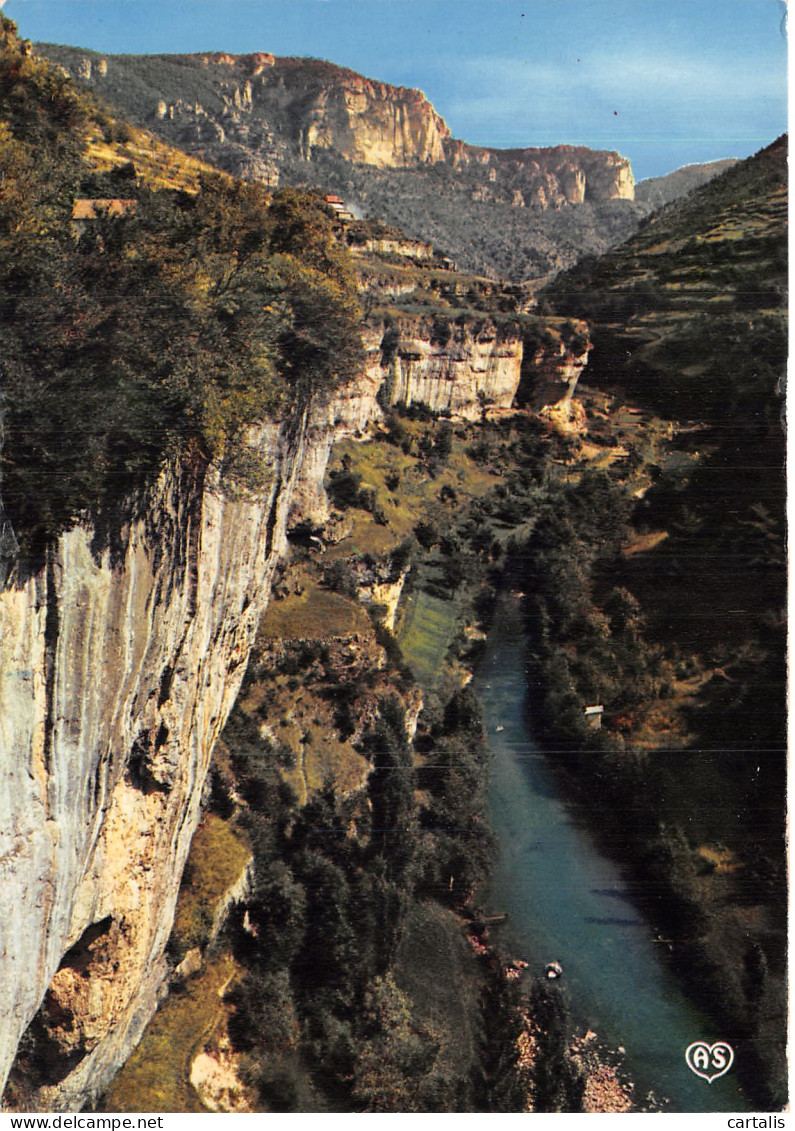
x=119 y=677
x=455 y=367
x=463 y=366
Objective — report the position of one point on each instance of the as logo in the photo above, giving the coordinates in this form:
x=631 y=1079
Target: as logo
x=709 y=1061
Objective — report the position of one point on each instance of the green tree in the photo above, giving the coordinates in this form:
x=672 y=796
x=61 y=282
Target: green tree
x=397 y=1052
x=557 y=1085
x=390 y=788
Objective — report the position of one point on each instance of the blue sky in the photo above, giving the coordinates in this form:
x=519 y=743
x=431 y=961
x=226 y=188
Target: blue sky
x=665 y=82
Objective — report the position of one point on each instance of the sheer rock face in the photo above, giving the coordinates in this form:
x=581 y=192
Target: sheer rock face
x=459 y=374
x=253 y=113
x=475 y=367
x=306 y=105
x=546 y=178
x=373 y=124
x=119 y=671
x=118 y=677
x=320 y=106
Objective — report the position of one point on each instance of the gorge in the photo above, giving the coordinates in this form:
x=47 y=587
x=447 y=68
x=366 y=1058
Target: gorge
x=245 y=384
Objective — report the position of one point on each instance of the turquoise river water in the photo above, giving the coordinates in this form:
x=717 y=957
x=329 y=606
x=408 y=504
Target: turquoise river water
x=567 y=902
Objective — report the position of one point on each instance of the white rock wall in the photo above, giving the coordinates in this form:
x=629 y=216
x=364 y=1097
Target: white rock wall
x=117 y=678
x=458 y=377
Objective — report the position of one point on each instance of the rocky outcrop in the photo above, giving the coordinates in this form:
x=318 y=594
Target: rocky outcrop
x=215 y=1074
x=546 y=178
x=452 y=367
x=307 y=106
x=372 y=124
x=554 y=357
x=235 y=894
x=395 y=248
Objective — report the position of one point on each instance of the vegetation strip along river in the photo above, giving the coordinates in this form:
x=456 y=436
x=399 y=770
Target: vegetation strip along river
x=568 y=903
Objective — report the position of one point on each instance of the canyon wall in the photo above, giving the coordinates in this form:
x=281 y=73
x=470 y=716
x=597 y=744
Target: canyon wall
x=459 y=374
x=546 y=178
x=120 y=667
x=452 y=368
x=255 y=114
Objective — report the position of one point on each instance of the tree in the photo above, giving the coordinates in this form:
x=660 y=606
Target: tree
x=390 y=788
x=557 y=1085
x=397 y=1053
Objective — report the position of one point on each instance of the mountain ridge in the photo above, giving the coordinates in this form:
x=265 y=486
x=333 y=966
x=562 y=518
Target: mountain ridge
x=383 y=148
x=519 y=213
x=286 y=88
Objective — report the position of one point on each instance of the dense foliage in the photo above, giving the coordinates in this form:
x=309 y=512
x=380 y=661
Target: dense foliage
x=336 y=1010
x=167 y=331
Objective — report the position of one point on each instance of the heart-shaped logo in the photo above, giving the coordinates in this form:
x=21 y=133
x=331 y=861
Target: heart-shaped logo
x=709 y=1061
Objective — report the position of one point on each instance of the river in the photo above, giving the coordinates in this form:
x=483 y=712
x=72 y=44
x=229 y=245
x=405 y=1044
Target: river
x=567 y=902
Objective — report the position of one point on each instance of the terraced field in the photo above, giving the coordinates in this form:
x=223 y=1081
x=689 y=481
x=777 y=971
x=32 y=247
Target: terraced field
x=691 y=310
x=425 y=635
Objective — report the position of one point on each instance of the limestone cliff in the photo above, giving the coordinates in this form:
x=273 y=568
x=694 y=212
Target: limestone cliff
x=318 y=106
x=371 y=123
x=255 y=114
x=119 y=673
x=546 y=178
x=456 y=368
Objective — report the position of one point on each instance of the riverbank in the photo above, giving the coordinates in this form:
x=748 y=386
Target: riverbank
x=568 y=902
x=683 y=781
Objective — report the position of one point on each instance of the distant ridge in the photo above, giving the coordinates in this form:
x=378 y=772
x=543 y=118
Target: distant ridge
x=659 y=191
x=518 y=214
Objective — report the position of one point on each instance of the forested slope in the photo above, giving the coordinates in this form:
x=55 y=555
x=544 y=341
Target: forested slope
x=681 y=635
